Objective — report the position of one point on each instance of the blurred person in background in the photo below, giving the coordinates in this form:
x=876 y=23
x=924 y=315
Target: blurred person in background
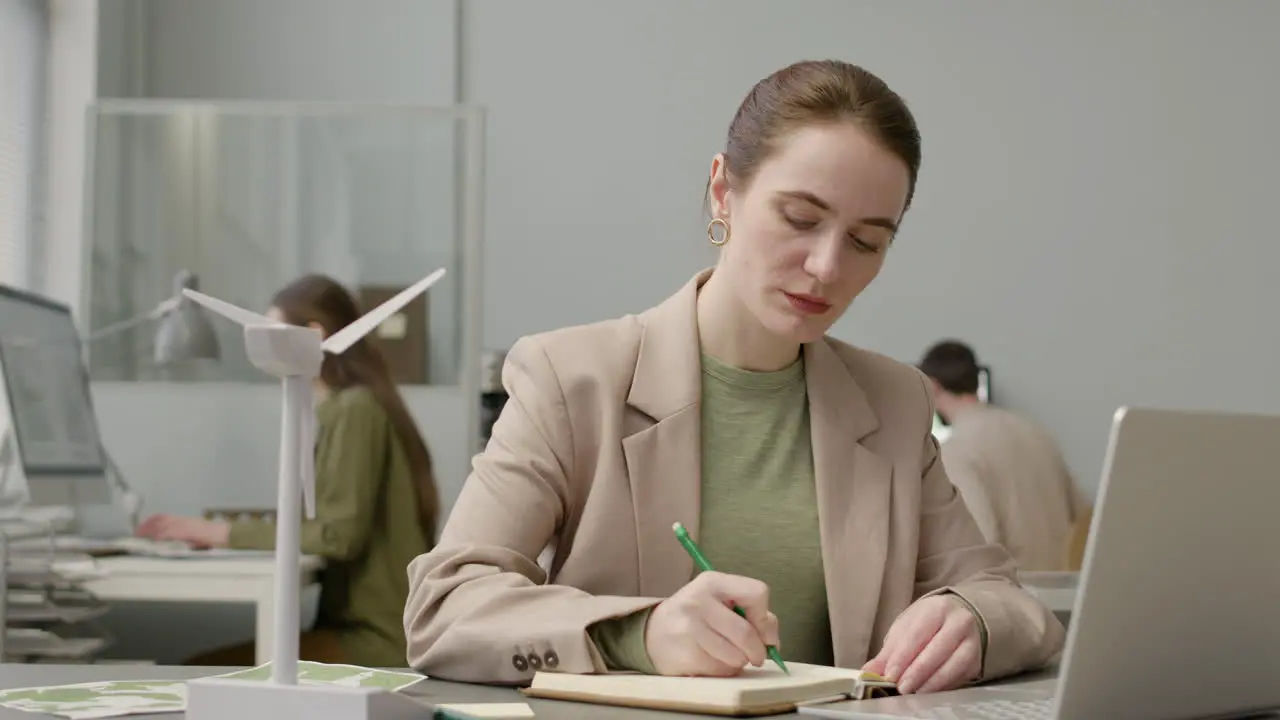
x=1009 y=470
x=376 y=497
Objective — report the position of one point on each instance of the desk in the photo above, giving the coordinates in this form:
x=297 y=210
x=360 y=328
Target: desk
x=215 y=579
x=16 y=676
x=1057 y=590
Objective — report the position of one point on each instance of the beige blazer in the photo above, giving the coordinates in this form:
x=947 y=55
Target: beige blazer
x=596 y=454
x=1015 y=483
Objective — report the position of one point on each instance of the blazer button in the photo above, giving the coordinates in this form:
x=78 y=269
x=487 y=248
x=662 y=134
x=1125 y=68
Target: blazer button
x=535 y=662
x=519 y=662
x=551 y=659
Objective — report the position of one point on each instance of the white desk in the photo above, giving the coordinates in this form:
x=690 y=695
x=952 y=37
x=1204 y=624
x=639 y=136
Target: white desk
x=1057 y=590
x=214 y=579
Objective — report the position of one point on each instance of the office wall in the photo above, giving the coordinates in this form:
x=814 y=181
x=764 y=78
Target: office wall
x=308 y=50
x=73 y=72
x=1093 y=212
x=24 y=54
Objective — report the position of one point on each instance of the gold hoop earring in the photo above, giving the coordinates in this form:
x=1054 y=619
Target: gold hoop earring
x=711 y=231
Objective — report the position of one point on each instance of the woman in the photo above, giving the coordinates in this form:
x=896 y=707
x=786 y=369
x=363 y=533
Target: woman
x=376 y=499
x=803 y=466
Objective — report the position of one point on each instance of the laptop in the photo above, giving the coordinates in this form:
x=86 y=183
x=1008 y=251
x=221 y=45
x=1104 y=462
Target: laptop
x=1177 y=614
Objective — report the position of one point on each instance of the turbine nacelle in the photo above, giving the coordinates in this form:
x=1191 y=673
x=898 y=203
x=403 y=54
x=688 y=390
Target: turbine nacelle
x=285 y=350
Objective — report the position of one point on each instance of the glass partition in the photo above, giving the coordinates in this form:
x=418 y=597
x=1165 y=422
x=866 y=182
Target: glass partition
x=239 y=199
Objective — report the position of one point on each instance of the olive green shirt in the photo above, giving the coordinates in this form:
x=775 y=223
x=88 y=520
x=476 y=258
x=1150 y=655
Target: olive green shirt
x=366 y=527
x=759 y=513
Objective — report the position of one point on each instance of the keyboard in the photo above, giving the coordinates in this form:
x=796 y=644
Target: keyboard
x=993 y=710
x=100 y=547
x=134 y=546
x=177 y=549
x=154 y=548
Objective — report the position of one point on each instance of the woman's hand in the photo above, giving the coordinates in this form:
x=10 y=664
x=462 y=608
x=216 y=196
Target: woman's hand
x=196 y=532
x=935 y=645
x=696 y=632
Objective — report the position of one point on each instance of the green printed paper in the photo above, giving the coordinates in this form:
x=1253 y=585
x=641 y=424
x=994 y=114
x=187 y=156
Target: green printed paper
x=315 y=673
x=135 y=697
x=100 y=699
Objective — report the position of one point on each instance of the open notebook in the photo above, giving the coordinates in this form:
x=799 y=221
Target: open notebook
x=757 y=691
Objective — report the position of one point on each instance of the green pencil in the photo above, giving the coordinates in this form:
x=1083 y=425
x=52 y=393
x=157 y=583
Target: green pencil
x=701 y=561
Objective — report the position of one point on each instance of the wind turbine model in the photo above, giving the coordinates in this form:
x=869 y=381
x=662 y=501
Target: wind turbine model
x=295 y=354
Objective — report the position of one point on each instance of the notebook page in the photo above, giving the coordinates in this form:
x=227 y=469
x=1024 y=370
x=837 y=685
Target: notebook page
x=754 y=686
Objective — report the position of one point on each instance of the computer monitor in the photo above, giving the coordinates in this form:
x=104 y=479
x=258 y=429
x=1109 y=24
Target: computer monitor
x=46 y=384
x=941 y=430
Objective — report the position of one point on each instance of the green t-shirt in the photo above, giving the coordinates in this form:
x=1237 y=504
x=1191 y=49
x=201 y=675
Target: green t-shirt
x=759 y=509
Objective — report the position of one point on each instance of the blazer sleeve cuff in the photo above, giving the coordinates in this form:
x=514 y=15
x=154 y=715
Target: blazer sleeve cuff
x=621 y=641
x=585 y=656
x=1020 y=633
x=984 y=631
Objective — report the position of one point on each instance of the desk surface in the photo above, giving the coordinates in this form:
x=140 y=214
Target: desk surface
x=438 y=691
x=220 y=565
x=1057 y=590
x=18 y=676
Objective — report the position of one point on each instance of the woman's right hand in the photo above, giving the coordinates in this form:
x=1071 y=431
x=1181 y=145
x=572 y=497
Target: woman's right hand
x=695 y=632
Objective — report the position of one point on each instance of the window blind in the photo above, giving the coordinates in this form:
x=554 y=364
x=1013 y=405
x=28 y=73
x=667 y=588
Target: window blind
x=23 y=63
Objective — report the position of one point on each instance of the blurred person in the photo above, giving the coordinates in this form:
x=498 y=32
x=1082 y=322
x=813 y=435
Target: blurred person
x=376 y=497
x=1010 y=471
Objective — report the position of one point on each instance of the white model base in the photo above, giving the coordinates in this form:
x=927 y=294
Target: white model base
x=222 y=698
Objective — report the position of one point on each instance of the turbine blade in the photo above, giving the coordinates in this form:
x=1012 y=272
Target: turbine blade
x=227 y=310
x=347 y=336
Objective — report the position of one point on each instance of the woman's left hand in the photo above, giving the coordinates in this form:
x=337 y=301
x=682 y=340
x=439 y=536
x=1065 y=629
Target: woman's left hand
x=196 y=532
x=934 y=645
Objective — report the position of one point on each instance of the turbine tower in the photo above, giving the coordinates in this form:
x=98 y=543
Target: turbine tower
x=295 y=354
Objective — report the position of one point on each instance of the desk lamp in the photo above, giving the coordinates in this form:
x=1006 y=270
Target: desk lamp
x=184 y=331
x=295 y=354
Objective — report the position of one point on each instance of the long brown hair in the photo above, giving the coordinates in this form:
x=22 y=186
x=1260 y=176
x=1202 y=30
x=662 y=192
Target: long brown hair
x=322 y=300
